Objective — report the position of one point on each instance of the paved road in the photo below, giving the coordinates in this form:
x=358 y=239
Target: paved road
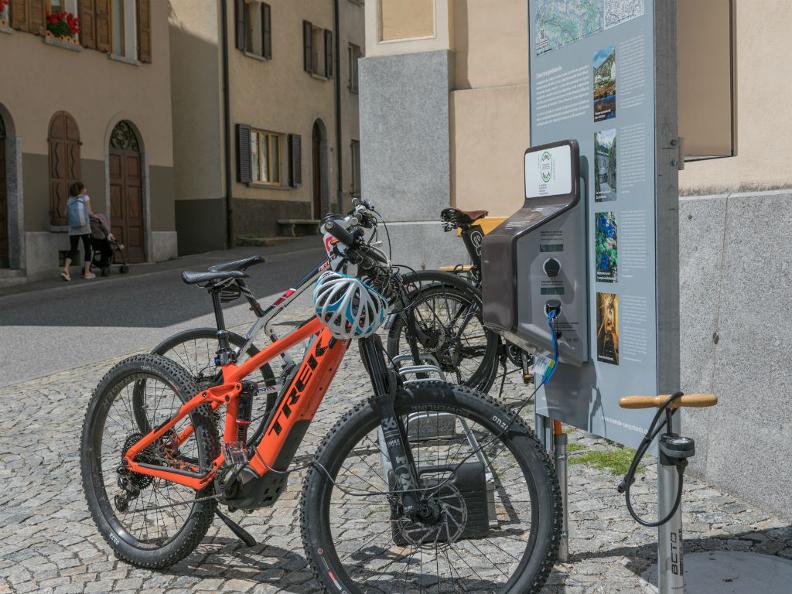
x=49 y=544
x=51 y=326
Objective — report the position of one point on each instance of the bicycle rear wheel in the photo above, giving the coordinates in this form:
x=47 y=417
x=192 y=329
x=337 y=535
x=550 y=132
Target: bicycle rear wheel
x=148 y=522
x=448 y=326
x=498 y=519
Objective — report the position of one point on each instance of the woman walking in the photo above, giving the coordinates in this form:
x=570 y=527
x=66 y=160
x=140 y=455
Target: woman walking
x=79 y=215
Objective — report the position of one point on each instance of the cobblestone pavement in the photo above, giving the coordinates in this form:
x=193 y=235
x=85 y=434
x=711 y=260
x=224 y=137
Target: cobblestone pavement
x=48 y=542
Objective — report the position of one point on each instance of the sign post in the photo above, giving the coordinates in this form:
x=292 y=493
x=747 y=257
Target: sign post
x=603 y=72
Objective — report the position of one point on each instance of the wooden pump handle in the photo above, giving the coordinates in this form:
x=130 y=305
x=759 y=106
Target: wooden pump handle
x=688 y=400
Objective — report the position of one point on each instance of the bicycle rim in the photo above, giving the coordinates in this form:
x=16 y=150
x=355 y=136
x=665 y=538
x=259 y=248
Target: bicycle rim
x=482 y=544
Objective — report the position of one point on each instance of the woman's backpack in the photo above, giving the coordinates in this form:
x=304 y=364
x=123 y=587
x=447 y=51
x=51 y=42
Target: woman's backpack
x=77 y=212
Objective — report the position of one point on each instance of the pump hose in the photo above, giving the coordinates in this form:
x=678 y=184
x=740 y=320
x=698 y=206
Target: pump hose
x=640 y=452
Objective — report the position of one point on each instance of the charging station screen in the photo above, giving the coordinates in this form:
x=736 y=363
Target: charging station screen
x=548 y=172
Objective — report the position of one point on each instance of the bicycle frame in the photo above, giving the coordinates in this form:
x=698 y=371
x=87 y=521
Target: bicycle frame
x=265 y=316
x=286 y=425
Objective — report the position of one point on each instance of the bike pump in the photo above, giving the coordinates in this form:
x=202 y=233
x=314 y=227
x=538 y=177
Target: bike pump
x=674 y=452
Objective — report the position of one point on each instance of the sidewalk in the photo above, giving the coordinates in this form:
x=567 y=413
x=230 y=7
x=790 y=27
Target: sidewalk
x=48 y=543
x=193 y=261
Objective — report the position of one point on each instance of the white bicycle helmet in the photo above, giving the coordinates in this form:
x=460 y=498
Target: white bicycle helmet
x=348 y=306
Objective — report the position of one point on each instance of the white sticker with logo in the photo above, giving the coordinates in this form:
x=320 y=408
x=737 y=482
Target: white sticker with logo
x=548 y=172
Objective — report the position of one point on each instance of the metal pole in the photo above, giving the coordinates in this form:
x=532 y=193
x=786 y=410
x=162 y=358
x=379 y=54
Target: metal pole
x=560 y=454
x=670 y=568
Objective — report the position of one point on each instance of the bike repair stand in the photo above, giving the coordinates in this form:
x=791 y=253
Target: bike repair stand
x=551 y=435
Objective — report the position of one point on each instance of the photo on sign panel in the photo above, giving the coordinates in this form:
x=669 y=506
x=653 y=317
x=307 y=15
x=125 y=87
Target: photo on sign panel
x=605 y=84
x=608 y=328
x=606 y=253
x=605 y=165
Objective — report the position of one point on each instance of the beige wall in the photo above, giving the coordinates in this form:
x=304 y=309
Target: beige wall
x=490 y=104
x=406 y=19
x=278 y=95
x=39 y=80
x=405 y=27
x=352 y=31
x=197 y=99
x=764 y=116
x=490 y=43
x=489 y=131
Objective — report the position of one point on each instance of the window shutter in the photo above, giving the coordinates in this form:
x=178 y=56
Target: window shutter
x=295 y=160
x=328 y=40
x=87 y=30
x=243 y=154
x=19 y=18
x=308 y=46
x=144 y=30
x=36 y=17
x=266 y=31
x=102 y=22
x=240 y=14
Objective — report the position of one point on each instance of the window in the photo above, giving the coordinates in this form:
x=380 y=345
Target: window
x=124 y=28
x=265 y=157
x=317 y=50
x=254 y=28
x=706 y=78
x=354 y=55
x=355 y=146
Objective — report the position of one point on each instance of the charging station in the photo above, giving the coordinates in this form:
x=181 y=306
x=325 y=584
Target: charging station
x=596 y=241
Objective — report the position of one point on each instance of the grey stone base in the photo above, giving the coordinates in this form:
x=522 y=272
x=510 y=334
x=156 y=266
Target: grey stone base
x=736 y=296
x=42 y=253
x=424 y=245
x=164 y=245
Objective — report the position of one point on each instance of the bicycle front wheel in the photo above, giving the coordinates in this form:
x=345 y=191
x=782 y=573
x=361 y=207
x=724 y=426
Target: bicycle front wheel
x=497 y=519
x=449 y=326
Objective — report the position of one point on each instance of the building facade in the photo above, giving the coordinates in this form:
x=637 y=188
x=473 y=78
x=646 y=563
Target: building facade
x=85 y=96
x=265 y=99
x=445 y=121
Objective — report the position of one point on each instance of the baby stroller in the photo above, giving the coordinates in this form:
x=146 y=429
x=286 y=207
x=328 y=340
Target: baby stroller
x=106 y=250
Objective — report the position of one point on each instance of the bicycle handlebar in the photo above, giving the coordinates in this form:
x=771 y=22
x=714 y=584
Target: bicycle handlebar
x=341 y=234
x=688 y=400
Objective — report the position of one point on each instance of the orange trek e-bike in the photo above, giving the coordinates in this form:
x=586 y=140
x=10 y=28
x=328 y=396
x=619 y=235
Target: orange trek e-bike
x=423 y=487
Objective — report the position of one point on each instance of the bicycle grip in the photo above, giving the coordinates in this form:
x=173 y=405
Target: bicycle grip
x=341 y=234
x=688 y=400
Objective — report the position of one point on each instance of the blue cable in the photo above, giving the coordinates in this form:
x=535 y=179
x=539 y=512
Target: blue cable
x=551 y=316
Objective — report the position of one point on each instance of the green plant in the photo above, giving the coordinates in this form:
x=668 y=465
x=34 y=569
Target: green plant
x=616 y=460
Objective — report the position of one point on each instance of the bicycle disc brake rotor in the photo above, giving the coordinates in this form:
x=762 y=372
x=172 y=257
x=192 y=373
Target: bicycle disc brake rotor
x=446 y=527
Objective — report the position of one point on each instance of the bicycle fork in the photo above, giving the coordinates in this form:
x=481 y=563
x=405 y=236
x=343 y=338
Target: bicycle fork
x=394 y=434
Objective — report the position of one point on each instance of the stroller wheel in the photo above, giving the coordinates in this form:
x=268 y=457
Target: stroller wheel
x=124 y=269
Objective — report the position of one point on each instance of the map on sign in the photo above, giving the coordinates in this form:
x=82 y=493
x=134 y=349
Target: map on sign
x=562 y=22
x=617 y=12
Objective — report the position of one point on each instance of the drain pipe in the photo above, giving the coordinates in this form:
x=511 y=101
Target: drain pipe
x=229 y=239
x=339 y=150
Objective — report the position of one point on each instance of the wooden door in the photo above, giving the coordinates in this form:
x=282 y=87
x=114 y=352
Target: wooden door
x=64 y=163
x=3 y=201
x=126 y=192
x=317 y=173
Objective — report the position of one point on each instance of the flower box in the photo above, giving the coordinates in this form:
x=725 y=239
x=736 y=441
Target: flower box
x=63 y=26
